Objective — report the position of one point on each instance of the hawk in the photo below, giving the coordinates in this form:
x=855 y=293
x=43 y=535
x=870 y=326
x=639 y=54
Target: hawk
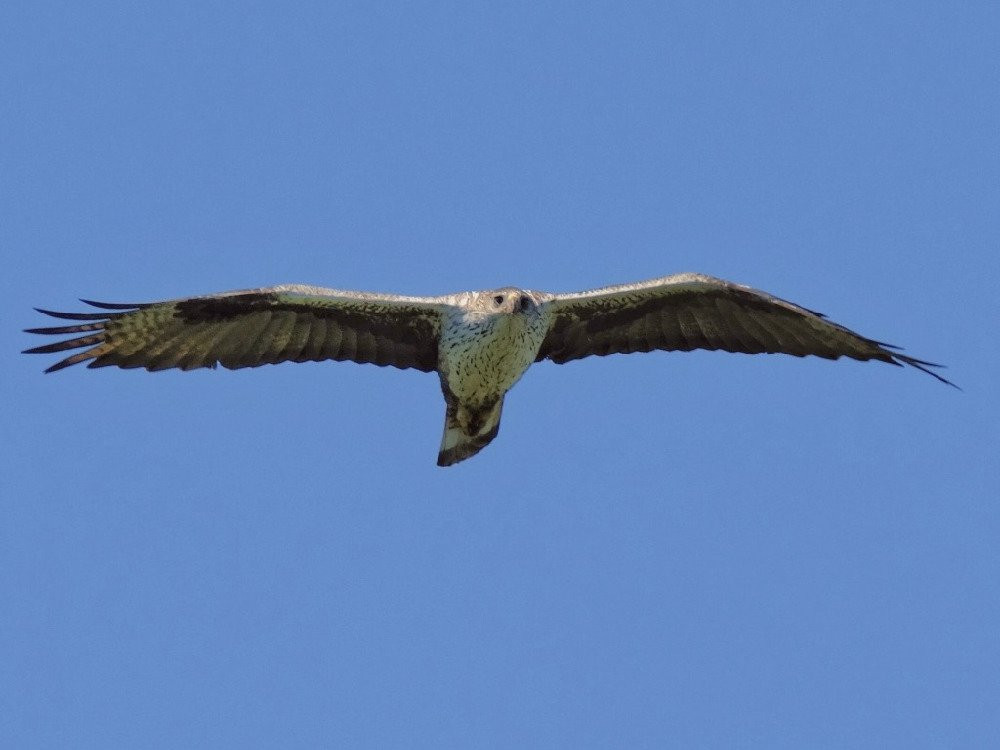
x=479 y=343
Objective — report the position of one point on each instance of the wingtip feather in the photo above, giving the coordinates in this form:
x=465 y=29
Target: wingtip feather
x=115 y=305
x=922 y=365
x=77 y=316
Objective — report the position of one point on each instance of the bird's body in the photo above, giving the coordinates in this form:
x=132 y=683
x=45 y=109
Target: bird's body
x=479 y=343
x=487 y=343
x=485 y=350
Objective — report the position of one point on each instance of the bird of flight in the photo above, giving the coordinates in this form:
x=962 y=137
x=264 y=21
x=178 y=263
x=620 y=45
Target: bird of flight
x=479 y=343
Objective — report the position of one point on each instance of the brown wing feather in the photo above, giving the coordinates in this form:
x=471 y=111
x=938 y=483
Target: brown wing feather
x=692 y=311
x=252 y=328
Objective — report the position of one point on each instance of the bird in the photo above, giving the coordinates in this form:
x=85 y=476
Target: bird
x=479 y=343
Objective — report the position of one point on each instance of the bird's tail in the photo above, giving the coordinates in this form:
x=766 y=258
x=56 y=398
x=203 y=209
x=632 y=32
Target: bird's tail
x=468 y=429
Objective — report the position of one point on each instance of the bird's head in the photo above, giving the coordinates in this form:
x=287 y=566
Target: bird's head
x=508 y=300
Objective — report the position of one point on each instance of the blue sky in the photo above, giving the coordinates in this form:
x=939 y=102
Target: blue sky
x=698 y=550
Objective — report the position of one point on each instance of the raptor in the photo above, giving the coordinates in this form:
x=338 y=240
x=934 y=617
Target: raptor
x=479 y=343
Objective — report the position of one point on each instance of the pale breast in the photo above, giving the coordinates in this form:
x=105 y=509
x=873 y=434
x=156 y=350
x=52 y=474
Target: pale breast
x=482 y=356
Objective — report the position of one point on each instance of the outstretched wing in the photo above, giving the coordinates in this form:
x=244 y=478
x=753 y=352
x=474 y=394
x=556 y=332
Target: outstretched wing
x=254 y=327
x=692 y=311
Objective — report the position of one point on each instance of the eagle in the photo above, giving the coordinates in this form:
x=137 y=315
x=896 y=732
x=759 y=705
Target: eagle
x=479 y=343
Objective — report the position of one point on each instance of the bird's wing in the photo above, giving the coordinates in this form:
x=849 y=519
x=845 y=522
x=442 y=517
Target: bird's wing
x=253 y=327
x=692 y=311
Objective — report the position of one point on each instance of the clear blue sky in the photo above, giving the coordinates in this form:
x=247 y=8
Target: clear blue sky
x=697 y=550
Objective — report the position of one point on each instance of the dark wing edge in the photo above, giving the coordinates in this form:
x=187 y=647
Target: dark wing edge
x=253 y=327
x=693 y=311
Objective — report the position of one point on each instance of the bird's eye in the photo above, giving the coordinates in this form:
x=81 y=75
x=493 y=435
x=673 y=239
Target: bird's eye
x=498 y=300
x=525 y=302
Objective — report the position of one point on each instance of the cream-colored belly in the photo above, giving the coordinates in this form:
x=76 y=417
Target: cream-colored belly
x=483 y=364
